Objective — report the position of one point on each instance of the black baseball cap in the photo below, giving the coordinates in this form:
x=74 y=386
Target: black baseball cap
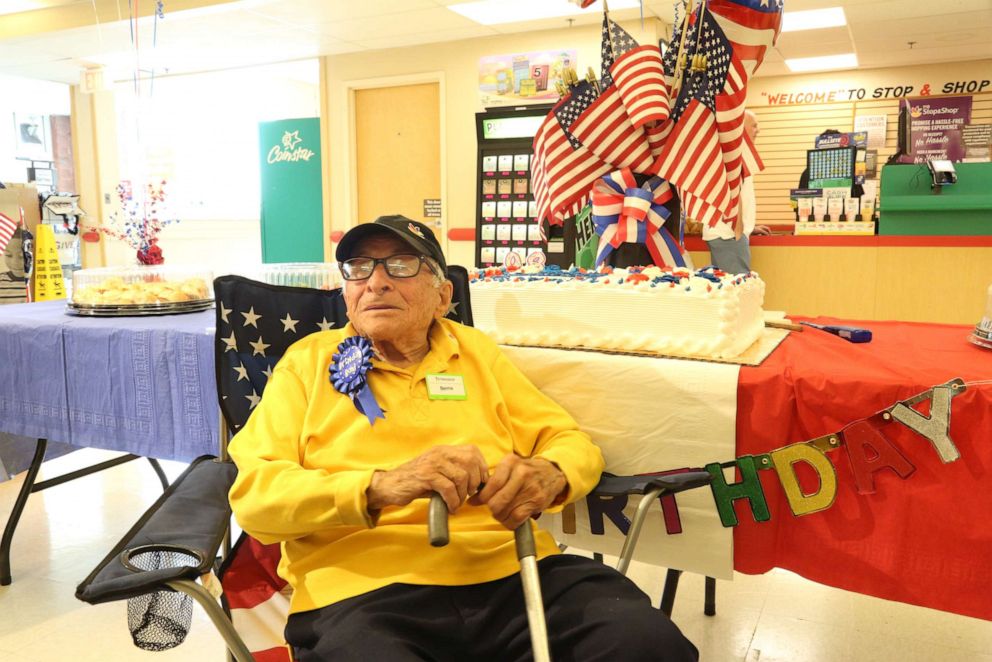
x=416 y=234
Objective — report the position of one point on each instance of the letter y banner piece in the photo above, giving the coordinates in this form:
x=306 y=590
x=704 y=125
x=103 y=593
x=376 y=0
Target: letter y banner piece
x=936 y=427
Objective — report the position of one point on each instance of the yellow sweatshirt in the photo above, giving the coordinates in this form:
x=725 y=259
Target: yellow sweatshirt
x=306 y=457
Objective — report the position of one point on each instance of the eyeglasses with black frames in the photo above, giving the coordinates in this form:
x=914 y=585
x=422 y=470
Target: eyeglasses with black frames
x=402 y=265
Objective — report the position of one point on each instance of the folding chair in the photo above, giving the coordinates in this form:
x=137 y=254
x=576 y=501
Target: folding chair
x=155 y=566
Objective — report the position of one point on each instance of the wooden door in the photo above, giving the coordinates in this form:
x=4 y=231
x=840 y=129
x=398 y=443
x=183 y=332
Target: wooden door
x=398 y=152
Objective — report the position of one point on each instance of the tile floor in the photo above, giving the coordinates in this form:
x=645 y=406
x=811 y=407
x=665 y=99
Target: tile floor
x=776 y=617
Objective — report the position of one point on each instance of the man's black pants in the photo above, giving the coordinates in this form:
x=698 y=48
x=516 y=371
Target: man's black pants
x=593 y=613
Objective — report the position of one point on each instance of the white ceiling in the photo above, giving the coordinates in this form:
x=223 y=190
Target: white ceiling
x=249 y=32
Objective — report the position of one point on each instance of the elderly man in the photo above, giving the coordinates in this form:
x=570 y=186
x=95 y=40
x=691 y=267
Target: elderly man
x=728 y=251
x=358 y=426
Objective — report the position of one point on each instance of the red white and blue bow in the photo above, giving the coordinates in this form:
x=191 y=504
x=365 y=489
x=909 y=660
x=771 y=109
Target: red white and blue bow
x=623 y=212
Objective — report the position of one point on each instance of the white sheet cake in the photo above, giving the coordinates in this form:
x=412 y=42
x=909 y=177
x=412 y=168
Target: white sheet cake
x=705 y=313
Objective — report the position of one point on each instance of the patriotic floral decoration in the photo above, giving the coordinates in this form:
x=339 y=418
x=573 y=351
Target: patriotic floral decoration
x=349 y=375
x=140 y=220
x=623 y=212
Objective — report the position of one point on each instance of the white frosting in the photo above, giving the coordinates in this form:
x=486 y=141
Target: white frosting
x=695 y=316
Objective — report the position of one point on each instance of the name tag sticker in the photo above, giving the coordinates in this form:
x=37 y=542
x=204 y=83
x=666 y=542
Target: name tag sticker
x=445 y=387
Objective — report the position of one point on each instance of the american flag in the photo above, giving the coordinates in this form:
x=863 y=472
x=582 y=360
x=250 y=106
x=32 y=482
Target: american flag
x=8 y=227
x=692 y=158
x=615 y=42
x=708 y=124
x=572 y=106
x=640 y=79
x=669 y=61
x=562 y=168
x=656 y=136
x=256 y=324
x=605 y=127
x=606 y=130
x=257 y=597
x=751 y=26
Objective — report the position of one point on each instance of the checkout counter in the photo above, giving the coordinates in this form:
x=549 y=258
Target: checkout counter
x=930 y=262
x=912 y=205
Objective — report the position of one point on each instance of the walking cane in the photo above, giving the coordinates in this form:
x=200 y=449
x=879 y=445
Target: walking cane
x=437 y=532
x=527 y=553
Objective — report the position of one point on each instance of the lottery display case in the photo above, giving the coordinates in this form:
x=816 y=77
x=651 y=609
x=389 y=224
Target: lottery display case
x=506 y=213
x=831 y=167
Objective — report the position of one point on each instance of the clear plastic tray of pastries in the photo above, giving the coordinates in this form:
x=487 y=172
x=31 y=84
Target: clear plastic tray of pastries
x=141 y=290
x=315 y=275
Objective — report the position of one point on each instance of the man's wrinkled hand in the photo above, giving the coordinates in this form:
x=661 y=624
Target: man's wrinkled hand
x=520 y=488
x=454 y=472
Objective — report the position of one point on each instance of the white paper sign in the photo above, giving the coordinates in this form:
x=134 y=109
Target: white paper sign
x=875 y=126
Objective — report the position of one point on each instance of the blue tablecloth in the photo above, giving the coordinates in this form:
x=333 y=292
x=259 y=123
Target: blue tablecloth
x=144 y=385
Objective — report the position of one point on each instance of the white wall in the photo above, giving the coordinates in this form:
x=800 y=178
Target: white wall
x=457 y=64
x=22 y=95
x=200 y=134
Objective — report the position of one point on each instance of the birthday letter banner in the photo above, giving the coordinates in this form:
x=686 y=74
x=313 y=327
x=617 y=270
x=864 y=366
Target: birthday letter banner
x=868 y=452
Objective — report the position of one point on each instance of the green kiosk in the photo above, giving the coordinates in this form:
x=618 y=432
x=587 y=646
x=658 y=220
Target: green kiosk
x=936 y=198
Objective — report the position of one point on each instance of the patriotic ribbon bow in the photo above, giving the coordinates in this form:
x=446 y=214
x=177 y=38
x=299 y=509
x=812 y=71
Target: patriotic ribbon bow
x=623 y=212
x=348 y=370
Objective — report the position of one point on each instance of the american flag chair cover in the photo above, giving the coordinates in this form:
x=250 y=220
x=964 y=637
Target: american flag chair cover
x=256 y=323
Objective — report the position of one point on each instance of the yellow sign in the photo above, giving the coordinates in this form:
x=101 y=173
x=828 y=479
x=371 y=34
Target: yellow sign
x=48 y=283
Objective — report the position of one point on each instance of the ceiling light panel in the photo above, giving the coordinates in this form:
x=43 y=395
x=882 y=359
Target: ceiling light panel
x=493 y=12
x=814 y=19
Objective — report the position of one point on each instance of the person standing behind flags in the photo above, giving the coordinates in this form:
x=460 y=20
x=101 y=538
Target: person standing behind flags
x=727 y=252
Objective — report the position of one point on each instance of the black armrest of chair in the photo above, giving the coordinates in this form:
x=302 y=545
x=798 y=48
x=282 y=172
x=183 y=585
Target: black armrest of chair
x=651 y=486
x=610 y=485
x=192 y=516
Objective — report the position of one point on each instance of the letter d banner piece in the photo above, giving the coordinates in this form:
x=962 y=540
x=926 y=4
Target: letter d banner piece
x=800 y=502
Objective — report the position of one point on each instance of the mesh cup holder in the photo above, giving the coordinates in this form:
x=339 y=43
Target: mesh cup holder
x=159 y=621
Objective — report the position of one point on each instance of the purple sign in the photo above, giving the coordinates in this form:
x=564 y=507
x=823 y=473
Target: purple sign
x=935 y=128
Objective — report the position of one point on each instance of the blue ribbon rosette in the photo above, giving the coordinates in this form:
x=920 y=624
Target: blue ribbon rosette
x=348 y=370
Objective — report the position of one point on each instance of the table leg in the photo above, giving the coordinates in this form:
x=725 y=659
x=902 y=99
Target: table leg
x=15 y=514
x=161 y=474
x=709 y=604
x=30 y=486
x=668 y=593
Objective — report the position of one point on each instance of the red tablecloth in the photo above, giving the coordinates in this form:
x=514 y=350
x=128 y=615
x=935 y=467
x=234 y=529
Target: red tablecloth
x=925 y=540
